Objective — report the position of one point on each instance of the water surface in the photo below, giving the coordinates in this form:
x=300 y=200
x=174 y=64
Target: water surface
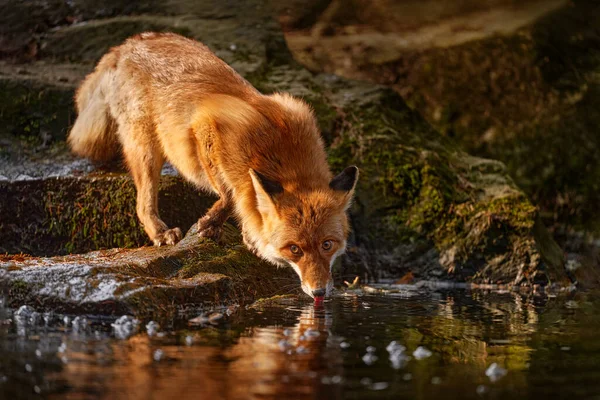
x=548 y=347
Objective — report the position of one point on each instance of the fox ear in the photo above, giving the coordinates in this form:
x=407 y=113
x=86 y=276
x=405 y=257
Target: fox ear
x=266 y=190
x=344 y=183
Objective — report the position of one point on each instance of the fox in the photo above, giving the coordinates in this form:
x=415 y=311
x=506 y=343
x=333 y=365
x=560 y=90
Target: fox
x=161 y=97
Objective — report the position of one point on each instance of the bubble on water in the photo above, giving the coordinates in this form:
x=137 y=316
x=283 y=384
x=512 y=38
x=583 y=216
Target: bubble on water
x=284 y=345
x=24 y=315
x=287 y=332
x=366 y=381
x=336 y=379
x=407 y=376
x=370 y=358
x=28 y=367
x=565 y=348
x=371 y=349
x=189 y=340
x=481 y=390
x=344 y=345
x=62 y=348
x=421 y=353
x=152 y=328
x=310 y=332
x=399 y=359
x=79 y=324
x=125 y=326
x=380 y=386
x=158 y=355
x=436 y=380
x=48 y=317
x=394 y=347
x=233 y=47
x=302 y=350
x=3 y=379
x=495 y=372
x=38 y=353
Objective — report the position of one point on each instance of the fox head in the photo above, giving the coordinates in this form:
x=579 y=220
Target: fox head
x=306 y=229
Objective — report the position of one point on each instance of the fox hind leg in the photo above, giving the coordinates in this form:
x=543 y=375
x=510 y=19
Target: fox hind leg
x=145 y=159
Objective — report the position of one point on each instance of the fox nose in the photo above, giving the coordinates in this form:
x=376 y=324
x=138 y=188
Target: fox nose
x=318 y=292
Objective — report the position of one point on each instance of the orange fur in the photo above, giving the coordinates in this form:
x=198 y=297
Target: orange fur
x=164 y=97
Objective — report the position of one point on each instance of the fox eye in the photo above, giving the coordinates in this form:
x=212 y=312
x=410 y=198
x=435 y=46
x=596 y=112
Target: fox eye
x=295 y=250
x=327 y=245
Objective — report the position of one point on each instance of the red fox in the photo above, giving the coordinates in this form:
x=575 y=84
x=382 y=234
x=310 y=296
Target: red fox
x=162 y=97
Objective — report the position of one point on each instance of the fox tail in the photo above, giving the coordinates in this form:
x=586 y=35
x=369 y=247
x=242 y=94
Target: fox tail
x=94 y=133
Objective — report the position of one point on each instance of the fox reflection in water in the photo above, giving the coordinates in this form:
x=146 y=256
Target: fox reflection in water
x=255 y=365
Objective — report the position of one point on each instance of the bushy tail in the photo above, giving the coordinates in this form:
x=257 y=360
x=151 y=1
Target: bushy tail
x=94 y=133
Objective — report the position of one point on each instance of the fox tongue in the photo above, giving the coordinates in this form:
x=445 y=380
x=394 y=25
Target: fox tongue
x=319 y=299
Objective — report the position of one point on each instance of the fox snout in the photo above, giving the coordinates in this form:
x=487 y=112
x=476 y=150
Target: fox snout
x=317 y=283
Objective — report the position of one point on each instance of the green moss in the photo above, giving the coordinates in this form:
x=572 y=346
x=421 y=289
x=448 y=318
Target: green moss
x=29 y=110
x=72 y=215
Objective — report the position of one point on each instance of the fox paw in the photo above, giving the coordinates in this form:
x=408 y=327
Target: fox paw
x=170 y=236
x=209 y=229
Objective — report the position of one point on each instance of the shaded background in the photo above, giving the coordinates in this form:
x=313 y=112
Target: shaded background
x=516 y=81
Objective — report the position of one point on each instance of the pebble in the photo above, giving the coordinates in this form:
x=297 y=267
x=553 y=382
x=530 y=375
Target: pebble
x=371 y=349
x=565 y=348
x=189 y=340
x=287 y=332
x=62 y=348
x=38 y=353
x=421 y=353
x=495 y=372
x=28 y=367
x=436 y=380
x=344 y=345
x=407 y=376
x=158 y=354
x=302 y=350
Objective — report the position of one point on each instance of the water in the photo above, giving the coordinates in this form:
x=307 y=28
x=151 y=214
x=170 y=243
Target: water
x=541 y=347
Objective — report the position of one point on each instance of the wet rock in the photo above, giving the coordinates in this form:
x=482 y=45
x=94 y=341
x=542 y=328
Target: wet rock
x=149 y=280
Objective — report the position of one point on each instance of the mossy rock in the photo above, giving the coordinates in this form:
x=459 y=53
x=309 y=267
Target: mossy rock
x=148 y=282
x=35 y=110
x=73 y=215
x=423 y=205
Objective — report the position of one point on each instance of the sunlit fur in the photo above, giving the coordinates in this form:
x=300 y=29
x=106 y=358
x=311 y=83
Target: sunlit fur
x=162 y=97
